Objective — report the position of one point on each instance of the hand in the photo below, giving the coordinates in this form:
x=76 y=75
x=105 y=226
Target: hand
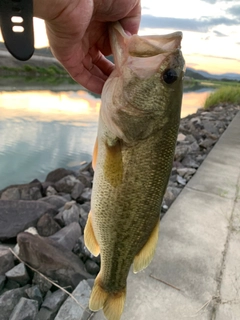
x=78 y=34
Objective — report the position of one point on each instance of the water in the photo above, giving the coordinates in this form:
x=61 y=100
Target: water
x=41 y=130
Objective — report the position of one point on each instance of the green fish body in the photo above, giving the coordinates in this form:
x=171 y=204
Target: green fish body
x=138 y=127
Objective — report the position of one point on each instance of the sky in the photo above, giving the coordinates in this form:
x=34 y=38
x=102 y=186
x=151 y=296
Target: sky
x=211 y=30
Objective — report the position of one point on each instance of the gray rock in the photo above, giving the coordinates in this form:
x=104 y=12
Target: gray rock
x=209 y=126
x=66 y=196
x=194 y=147
x=9 y=299
x=92 y=267
x=207 y=143
x=171 y=194
x=70 y=310
x=91 y=282
x=6 y=260
x=16 y=216
x=2 y=282
x=43 y=284
x=18 y=274
x=51 y=305
x=86 y=195
x=195 y=120
x=59 y=218
x=180 y=152
x=71 y=215
x=68 y=236
x=31 y=191
x=47 y=226
x=181 y=137
x=186 y=172
x=66 y=184
x=54 y=301
x=58 y=174
x=84 y=211
x=51 y=191
x=188 y=161
x=86 y=180
x=34 y=293
x=81 y=250
x=68 y=205
x=26 y=309
x=11 y=194
x=77 y=190
x=51 y=259
x=181 y=180
x=56 y=201
x=45 y=314
x=11 y=284
x=190 y=138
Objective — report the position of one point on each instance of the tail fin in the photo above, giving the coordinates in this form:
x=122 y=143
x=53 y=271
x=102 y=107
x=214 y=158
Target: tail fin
x=111 y=303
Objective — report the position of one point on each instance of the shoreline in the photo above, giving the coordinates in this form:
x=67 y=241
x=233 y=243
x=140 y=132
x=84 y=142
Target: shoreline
x=57 y=209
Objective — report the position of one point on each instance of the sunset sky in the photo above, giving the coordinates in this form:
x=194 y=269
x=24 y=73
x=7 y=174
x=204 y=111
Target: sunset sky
x=211 y=30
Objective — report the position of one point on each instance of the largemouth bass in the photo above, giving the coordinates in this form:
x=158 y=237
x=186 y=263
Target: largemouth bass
x=133 y=154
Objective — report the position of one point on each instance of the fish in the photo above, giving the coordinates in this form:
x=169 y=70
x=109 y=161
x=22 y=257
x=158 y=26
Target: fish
x=132 y=159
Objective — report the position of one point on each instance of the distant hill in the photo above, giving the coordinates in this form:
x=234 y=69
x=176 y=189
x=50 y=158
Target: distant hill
x=207 y=75
x=194 y=74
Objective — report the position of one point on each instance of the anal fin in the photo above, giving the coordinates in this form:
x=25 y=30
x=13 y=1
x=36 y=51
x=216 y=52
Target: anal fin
x=89 y=237
x=144 y=257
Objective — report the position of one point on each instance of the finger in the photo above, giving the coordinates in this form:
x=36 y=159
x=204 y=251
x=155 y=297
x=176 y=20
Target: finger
x=132 y=21
x=105 y=65
x=92 y=80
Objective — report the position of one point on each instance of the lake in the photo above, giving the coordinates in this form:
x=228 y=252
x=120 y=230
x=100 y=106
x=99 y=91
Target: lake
x=45 y=127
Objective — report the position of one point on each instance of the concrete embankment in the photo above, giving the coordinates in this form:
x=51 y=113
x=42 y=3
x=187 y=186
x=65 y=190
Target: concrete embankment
x=195 y=273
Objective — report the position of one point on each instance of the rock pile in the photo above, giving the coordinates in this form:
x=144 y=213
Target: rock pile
x=43 y=223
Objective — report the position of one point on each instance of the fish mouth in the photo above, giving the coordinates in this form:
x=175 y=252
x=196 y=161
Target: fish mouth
x=124 y=45
x=148 y=46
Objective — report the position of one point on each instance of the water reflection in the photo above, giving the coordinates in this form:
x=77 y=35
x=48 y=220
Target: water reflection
x=48 y=106
x=194 y=100
x=43 y=130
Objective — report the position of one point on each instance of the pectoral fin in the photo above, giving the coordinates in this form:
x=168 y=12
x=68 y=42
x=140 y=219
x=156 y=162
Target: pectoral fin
x=144 y=257
x=95 y=153
x=89 y=237
x=113 y=165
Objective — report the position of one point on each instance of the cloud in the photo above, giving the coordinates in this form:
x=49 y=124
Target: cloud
x=199 y=25
x=219 y=34
x=234 y=10
x=210 y=1
x=214 y=1
x=212 y=56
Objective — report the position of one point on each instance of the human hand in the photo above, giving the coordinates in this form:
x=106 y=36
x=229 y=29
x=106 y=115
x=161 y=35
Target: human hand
x=78 y=34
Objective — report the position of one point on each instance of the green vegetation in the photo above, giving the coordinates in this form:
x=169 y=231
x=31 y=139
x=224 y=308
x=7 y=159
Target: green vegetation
x=35 y=71
x=225 y=94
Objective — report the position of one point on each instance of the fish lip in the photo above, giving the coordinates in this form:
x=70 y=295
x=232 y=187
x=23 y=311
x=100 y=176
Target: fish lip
x=143 y=46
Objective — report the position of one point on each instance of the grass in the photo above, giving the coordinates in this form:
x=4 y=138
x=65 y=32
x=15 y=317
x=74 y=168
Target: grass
x=226 y=94
x=35 y=71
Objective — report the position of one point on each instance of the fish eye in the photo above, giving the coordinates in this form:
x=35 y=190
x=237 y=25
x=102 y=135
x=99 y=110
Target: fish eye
x=170 y=76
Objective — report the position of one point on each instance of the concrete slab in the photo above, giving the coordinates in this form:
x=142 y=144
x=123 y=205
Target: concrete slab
x=195 y=244
x=228 y=304
x=219 y=172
